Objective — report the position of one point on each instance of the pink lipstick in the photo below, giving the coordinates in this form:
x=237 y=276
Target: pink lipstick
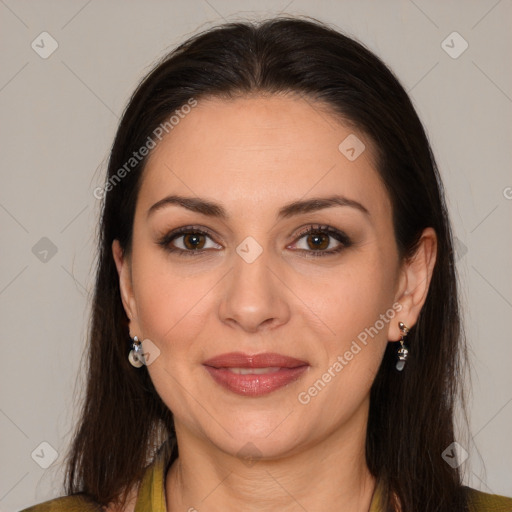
x=254 y=375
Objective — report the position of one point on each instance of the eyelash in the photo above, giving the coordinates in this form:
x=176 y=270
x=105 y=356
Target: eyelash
x=341 y=237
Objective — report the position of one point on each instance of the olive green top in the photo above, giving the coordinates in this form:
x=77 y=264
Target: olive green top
x=151 y=495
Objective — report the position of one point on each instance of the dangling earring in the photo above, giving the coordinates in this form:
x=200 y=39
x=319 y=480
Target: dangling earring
x=135 y=356
x=402 y=351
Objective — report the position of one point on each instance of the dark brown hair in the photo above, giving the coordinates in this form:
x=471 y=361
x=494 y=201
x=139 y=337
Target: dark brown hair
x=411 y=419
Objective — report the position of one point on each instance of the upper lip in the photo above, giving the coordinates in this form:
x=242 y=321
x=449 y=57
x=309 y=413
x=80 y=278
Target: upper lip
x=264 y=360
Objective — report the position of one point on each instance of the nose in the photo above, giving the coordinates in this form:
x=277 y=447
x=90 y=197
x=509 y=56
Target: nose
x=253 y=298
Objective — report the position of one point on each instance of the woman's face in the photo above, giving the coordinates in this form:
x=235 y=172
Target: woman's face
x=286 y=252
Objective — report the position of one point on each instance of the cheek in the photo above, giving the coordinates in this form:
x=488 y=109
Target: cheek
x=169 y=305
x=357 y=306
x=359 y=298
x=172 y=312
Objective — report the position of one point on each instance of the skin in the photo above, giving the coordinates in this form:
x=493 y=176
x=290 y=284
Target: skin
x=253 y=155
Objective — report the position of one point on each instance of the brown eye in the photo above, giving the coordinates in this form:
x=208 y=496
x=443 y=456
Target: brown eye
x=317 y=241
x=321 y=241
x=189 y=240
x=194 y=241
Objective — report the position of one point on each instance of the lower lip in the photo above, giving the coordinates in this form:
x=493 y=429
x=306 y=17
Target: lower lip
x=255 y=385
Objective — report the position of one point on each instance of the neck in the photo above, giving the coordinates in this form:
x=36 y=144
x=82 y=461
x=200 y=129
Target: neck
x=331 y=474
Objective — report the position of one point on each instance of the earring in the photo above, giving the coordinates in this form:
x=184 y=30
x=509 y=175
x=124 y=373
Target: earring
x=135 y=356
x=402 y=351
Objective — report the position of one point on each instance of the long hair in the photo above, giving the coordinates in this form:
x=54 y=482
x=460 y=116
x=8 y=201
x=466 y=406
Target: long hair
x=411 y=417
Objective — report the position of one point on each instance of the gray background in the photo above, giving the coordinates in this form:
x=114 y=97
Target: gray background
x=59 y=117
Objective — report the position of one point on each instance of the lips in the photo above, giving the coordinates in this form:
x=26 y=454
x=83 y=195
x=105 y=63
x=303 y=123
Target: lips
x=265 y=360
x=254 y=375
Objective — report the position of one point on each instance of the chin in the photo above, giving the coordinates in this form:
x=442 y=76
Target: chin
x=255 y=436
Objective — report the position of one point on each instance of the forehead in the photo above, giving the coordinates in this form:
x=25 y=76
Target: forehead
x=266 y=149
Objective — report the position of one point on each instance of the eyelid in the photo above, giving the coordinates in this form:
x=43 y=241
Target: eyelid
x=168 y=237
x=315 y=228
x=342 y=238
x=192 y=228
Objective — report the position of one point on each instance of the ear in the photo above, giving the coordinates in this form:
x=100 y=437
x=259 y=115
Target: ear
x=123 y=266
x=414 y=282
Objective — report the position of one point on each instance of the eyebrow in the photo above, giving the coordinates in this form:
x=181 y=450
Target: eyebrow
x=212 y=209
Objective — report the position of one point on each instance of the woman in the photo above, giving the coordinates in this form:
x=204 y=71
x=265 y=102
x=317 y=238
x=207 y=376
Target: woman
x=275 y=322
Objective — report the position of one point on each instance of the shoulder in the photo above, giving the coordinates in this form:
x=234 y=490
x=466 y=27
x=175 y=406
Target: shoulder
x=75 y=503
x=80 y=503
x=482 y=502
